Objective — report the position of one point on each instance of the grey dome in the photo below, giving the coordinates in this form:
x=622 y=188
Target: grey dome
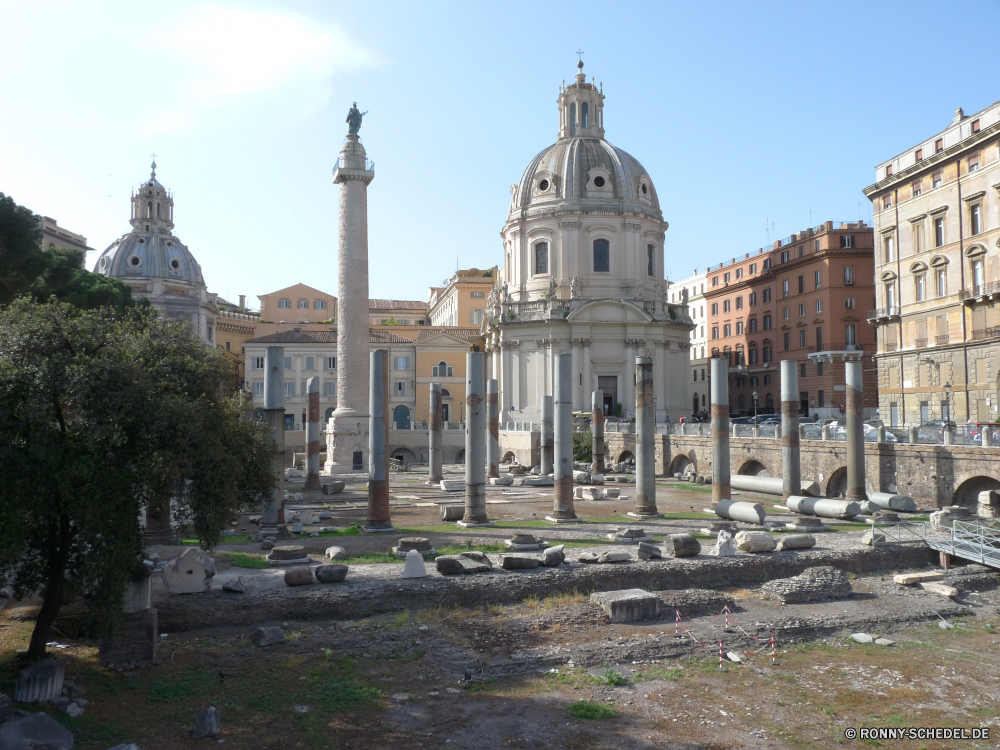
x=570 y=160
x=150 y=255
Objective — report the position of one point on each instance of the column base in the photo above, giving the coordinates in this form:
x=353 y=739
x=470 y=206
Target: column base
x=553 y=519
x=159 y=536
x=643 y=516
x=390 y=529
x=312 y=482
x=473 y=524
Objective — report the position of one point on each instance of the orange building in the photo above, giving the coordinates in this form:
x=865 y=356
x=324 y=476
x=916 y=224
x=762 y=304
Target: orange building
x=804 y=299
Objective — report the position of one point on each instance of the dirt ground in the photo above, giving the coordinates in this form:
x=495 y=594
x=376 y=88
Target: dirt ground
x=552 y=671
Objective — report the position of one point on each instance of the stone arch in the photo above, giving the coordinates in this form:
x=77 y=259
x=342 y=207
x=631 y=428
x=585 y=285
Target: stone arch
x=681 y=464
x=968 y=491
x=403 y=454
x=752 y=468
x=508 y=458
x=836 y=485
x=625 y=457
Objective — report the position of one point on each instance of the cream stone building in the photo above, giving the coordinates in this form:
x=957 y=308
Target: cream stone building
x=700 y=379
x=937 y=272
x=158 y=266
x=54 y=236
x=583 y=274
x=462 y=299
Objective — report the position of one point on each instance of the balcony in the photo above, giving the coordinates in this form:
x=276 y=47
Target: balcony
x=737 y=369
x=890 y=346
x=831 y=352
x=985 y=334
x=940 y=340
x=980 y=291
x=883 y=313
x=920 y=343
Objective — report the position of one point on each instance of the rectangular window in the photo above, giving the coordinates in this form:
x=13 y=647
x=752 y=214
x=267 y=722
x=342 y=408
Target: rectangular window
x=694 y=376
x=288 y=363
x=939 y=145
x=725 y=277
x=918 y=287
x=848 y=275
x=918 y=155
x=258 y=363
x=819 y=339
x=819 y=306
x=752 y=324
x=936 y=179
x=331 y=363
x=767 y=360
x=289 y=389
x=402 y=363
x=888 y=170
x=715 y=281
x=915 y=187
x=739 y=327
x=727 y=331
x=715 y=308
x=752 y=299
x=310 y=363
x=784 y=256
x=754 y=378
x=753 y=268
x=802 y=310
x=817 y=279
x=975 y=126
x=847 y=240
x=784 y=288
x=974 y=219
x=819 y=368
x=400 y=388
x=848 y=303
x=725 y=305
x=753 y=358
x=821 y=399
x=767 y=295
x=478 y=295
x=887 y=202
x=802 y=370
x=739 y=273
x=940 y=282
x=331 y=388
x=767 y=322
x=284 y=303
x=788 y=341
x=739 y=303
x=784 y=313
x=542 y=257
x=767 y=263
x=802 y=284
x=802 y=340
x=974 y=162
x=476 y=317
x=602 y=256
x=715 y=332
x=889 y=249
x=319 y=304
x=767 y=378
x=303 y=304
x=849 y=334
x=650 y=256
x=802 y=250
x=918 y=237
x=938 y=232
x=258 y=389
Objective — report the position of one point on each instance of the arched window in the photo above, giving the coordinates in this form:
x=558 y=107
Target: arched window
x=442 y=370
x=650 y=265
x=542 y=257
x=585 y=115
x=602 y=256
x=572 y=119
x=149 y=210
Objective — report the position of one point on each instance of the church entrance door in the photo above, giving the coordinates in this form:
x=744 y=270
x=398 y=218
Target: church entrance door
x=401 y=416
x=609 y=384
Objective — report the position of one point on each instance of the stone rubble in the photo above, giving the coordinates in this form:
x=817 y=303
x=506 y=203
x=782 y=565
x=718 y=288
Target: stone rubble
x=813 y=585
x=755 y=541
x=190 y=573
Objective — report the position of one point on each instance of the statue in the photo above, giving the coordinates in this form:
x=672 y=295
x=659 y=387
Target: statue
x=354 y=119
x=506 y=294
x=684 y=296
x=574 y=287
x=553 y=288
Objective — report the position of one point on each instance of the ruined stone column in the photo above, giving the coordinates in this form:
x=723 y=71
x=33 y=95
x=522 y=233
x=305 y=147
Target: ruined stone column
x=597 y=432
x=350 y=419
x=855 y=433
x=791 y=469
x=378 y=457
x=720 y=431
x=312 y=435
x=493 y=428
x=274 y=418
x=434 y=437
x=562 y=507
x=546 y=440
x=475 y=441
x=645 y=437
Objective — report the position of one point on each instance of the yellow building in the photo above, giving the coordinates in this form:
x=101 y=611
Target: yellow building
x=296 y=305
x=462 y=300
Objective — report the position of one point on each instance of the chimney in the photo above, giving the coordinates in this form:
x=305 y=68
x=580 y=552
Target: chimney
x=828 y=225
x=243 y=302
x=959 y=116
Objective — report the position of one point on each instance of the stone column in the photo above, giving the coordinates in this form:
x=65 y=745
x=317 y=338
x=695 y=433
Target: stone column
x=493 y=428
x=597 y=432
x=855 y=433
x=475 y=441
x=625 y=394
x=350 y=419
x=660 y=382
x=578 y=388
x=546 y=440
x=720 y=431
x=378 y=457
x=588 y=368
x=505 y=384
x=791 y=471
x=274 y=418
x=562 y=508
x=434 y=437
x=312 y=434
x=645 y=437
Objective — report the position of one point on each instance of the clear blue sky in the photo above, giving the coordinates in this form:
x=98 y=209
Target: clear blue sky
x=742 y=113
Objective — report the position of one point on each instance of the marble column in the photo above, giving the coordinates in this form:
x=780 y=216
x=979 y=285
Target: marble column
x=435 y=453
x=588 y=368
x=475 y=441
x=562 y=509
x=546 y=439
x=660 y=377
x=492 y=428
x=378 y=455
x=597 y=432
x=721 y=489
x=506 y=384
x=577 y=375
x=312 y=434
x=855 y=433
x=274 y=418
x=645 y=437
x=791 y=472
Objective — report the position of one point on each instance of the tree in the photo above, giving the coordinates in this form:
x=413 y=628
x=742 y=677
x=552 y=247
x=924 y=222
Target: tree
x=27 y=268
x=101 y=415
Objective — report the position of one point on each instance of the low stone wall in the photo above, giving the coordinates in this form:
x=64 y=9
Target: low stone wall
x=524 y=445
x=134 y=643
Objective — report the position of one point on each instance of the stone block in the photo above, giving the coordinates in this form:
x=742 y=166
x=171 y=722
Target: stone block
x=681 y=545
x=191 y=573
x=325 y=514
x=518 y=562
x=336 y=553
x=906 y=579
x=813 y=585
x=504 y=481
x=614 y=556
x=300 y=575
x=268 y=636
x=871 y=538
x=415 y=566
x=287 y=555
x=305 y=517
x=479 y=558
x=862 y=638
x=332 y=488
x=724 y=546
x=545 y=481
x=581 y=477
x=588 y=557
x=208 y=724
x=328 y=573
x=553 y=556
x=235 y=585
x=455 y=564
x=755 y=541
x=629 y=605
x=40 y=682
x=452 y=512
x=525 y=543
x=630 y=535
x=134 y=643
x=597 y=479
x=453 y=485
x=612 y=493
x=648 y=551
x=590 y=493
x=297 y=527
x=796 y=541
x=939 y=588
x=418 y=543
x=38 y=730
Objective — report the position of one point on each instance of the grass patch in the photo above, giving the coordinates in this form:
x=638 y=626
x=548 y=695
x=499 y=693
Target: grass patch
x=243 y=559
x=613 y=678
x=694 y=487
x=588 y=711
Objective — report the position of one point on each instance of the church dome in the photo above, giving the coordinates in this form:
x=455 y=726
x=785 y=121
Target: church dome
x=584 y=168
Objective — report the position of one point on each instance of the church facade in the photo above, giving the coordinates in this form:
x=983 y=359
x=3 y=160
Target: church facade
x=583 y=274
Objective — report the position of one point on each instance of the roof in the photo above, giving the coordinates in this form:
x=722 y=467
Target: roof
x=324 y=337
x=462 y=333
x=396 y=304
x=297 y=286
x=150 y=255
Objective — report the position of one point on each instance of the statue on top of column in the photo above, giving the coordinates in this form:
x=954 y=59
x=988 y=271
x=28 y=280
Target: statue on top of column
x=354 y=119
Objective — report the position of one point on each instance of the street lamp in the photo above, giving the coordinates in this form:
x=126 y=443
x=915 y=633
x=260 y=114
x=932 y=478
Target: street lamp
x=755 y=407
x=947 y=400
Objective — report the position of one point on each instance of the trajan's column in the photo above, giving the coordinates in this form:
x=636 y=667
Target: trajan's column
x=347 y=431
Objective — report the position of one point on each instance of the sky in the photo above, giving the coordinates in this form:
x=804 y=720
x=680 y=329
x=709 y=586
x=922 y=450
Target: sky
x=754 y=120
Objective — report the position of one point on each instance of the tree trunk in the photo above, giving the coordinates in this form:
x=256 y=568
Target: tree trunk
x=60 y=539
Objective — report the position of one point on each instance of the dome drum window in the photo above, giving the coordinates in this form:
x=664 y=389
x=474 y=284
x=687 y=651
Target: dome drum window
x=175 y=264
x=599 y=183
x=104 y=262
x=135 y=261
x=543 y=185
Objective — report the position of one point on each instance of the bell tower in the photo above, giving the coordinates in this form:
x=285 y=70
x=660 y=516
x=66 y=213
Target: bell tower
x=581 y=108
x=152 y=206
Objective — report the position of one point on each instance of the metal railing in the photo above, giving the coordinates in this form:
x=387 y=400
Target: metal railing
x=367 y=165
x=986 y=333
x=980 y=290
x=836 y=347
x=883 y=312
x=976 y=541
